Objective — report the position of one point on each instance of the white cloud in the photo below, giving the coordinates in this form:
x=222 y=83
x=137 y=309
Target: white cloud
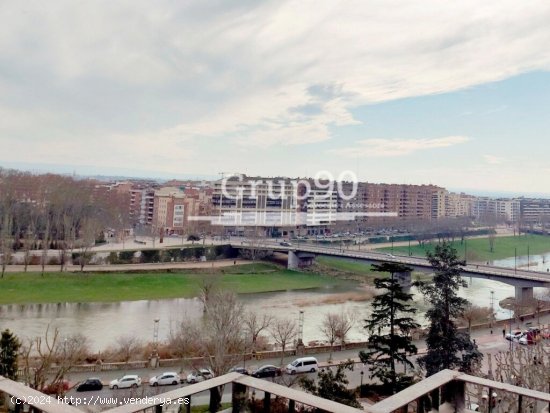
x=247 y=72
x=493 y=160
x=397 y=147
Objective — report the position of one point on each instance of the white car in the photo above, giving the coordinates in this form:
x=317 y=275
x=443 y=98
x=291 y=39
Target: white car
x=514 y=336
x=165 y=379
x=125 y=382
x=199 y=375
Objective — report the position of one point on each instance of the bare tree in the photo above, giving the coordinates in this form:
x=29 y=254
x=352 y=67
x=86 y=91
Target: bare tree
x=89 y=230
x=473 y=313
x=492 y=239
x=6 y=239
x=48 y=359
x=347 y=321
x=255 y=324
x=284 y=331
x=127 y=347
x=186 y=339
x=208 y=288
x=329 y=328
x=223 y=340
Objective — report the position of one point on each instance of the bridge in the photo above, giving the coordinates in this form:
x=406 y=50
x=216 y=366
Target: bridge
x=303 y=255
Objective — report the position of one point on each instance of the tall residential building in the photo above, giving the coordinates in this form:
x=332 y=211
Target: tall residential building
x=535 y=210
x=403 y=201
x=496 y=208
x=275 y=205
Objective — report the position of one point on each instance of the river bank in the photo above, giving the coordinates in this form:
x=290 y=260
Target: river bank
x=72 y=287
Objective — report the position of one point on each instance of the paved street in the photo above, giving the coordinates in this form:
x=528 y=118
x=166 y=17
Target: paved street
x=487 y=342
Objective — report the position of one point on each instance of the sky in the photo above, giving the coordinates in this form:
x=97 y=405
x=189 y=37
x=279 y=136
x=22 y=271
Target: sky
x=455 y=94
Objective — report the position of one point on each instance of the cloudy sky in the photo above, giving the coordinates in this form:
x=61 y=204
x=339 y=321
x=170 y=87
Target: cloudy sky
x=451 y=93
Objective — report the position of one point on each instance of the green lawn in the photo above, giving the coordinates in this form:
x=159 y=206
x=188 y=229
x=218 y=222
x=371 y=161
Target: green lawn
x=339 y=264
x=105 y=287
x=478 y=248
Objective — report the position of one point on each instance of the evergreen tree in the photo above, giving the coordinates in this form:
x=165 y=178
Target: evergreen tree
x=332 y=385
x=389 y=342
x=9 y=347
x=447 y=348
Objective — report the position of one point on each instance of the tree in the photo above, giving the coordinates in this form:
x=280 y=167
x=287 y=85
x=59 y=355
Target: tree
x=89 y=230
x=332 y=385
x=389 y=327
x=473 y=313
x=9 y=348
x=255 y=324
x=49 y=358
x=491 y=236
x=186 y=339
x=447 y=348
x=283 y=332
x=127 y=346
x=346 y=323
x=223 y=341
x=329 y=328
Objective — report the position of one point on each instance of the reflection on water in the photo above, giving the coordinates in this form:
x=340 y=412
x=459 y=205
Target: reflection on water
x=105 y=322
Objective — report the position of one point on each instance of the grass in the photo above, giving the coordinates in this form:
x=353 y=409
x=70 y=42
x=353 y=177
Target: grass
x=19 y=288
x=478 y=248
x=344 y=265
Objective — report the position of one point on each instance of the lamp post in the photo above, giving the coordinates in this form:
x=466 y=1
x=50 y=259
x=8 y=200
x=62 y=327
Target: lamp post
x=362 y=374
x=465 y=250
x=492 y=310
x=515 y=259
x=510 y=330
x=410 y=247
x=528 y=259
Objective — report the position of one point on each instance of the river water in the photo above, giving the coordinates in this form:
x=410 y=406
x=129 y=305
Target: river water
x=103 y=323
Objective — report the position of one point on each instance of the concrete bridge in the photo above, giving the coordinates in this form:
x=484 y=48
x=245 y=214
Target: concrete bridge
x=303 y=255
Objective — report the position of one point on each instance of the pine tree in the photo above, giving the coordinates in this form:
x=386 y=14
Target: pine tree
x=390 y=314
x=9 y=348
x=447 y=348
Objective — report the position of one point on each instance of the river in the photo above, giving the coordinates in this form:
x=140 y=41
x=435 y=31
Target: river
x=103 y=323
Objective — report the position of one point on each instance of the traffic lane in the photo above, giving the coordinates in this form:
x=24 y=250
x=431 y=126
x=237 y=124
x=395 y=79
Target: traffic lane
x=113 y=397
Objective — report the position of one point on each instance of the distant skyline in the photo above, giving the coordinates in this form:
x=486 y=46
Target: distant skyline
x=453 y=94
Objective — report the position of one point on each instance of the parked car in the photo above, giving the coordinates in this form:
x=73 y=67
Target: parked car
x=514 y=335
x=165 y=379
x=240 y=370
x=90 y=384
x=199 y=375
x=303 y=365
x=267 y=371
x=125 y=382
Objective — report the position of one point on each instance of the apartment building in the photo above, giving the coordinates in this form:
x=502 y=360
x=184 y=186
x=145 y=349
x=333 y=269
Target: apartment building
x=535 y=210
x=392 y=200
x=172 y=209
x=496 y=208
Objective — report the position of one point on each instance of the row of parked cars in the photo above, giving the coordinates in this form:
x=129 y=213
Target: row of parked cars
x=300 y=365
x=530 y=336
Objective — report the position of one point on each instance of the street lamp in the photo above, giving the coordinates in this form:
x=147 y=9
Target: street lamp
x=492 y=309
x=362 y=374
x=515 y=259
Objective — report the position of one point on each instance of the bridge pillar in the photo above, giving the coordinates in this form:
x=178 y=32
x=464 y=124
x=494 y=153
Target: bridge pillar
x=404 y=279
x=292 y=262
x=299 y=259
x=524 y=295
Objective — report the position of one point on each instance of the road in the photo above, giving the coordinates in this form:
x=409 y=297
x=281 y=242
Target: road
x=488 y=343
